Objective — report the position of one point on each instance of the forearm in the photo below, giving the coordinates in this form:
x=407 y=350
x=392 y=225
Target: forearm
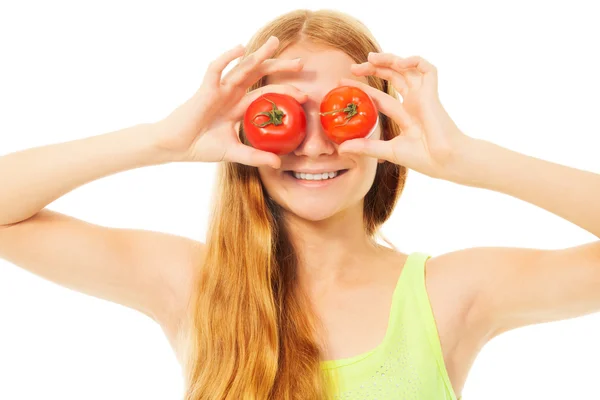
x=570 y=193
x=33 y=178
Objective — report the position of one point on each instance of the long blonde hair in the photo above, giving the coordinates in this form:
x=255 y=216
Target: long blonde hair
x=250 y=331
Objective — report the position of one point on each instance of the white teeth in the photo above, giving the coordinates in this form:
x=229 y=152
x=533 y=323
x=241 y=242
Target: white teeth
x=315 y=177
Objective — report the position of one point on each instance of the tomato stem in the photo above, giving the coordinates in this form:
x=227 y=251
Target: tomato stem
x=350 y=110
x=275 y=116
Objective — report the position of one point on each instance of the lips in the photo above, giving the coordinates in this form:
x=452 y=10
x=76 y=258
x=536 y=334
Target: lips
x=316 y=171
x=310 y=183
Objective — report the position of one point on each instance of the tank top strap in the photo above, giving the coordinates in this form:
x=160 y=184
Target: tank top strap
x=410 y=357
x=418 y=310
x=415 y=268
x=404 y=308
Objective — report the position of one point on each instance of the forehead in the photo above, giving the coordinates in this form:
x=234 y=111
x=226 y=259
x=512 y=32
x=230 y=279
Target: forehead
x=323 y=67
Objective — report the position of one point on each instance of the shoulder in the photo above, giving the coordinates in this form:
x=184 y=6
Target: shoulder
x=504 y=288
x=445 y=274
x=452 y=286
x=514 y=287
x=451 y=283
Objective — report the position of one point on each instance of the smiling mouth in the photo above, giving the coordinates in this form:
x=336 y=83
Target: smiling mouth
x=340 y=173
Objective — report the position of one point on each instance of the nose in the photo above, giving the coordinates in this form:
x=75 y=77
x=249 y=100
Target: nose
x=316 y=142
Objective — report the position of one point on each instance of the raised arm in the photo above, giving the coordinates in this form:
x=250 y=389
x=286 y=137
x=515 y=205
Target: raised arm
x=33 y=178
x=147 y=271
x=139 y=269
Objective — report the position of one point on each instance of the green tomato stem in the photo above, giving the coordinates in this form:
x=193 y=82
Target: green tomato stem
x=275 y=116
x=350 y=110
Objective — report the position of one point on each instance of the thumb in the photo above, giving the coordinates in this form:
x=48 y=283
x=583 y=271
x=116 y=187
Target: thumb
x=368 y=147
x=248 y=155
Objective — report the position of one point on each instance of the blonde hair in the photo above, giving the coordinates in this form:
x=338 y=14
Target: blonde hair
x=250 y=332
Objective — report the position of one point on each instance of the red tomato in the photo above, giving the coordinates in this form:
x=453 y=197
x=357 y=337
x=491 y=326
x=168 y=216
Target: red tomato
x=347 y=112
x=275 y=122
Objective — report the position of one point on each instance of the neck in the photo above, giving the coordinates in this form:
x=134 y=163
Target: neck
x=332 y=251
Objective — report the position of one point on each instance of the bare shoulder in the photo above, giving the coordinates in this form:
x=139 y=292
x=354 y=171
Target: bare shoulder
x=514 y=287
x=449 y=277
x=454 y=284
x=452 y=289
x=504 y=288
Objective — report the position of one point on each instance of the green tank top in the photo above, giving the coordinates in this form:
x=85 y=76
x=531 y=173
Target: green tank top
x=408 y=364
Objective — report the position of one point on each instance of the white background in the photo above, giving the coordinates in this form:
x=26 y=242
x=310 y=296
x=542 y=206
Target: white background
x=521 y=74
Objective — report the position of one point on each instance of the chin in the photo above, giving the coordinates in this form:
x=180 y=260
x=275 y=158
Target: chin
x=313 y=211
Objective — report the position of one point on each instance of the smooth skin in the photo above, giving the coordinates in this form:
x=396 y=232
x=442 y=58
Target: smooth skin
x=500 y=288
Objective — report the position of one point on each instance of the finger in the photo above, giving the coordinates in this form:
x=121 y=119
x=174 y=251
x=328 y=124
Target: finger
x=399 y=150
x=248 y=155
x=384 y=59
x=415 y=68
x=216 y=67
x=385 y=103
x=411 y=77
x=419 y=63
x=397 y=80
x=429 y=71
x=290 y=90
x=381 y=149
x=237 y=75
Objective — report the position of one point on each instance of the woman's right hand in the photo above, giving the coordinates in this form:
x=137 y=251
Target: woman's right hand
x=205 y=128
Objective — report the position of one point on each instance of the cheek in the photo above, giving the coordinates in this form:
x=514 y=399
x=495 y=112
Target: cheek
x=269 y=179
x=370 y=169
x=266 y=176
x=365 y=169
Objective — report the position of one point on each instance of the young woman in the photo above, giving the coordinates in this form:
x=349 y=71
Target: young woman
x=291 y=296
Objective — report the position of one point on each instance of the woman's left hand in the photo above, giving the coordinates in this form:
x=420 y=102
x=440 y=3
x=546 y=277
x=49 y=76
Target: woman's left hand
x=430 y=140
